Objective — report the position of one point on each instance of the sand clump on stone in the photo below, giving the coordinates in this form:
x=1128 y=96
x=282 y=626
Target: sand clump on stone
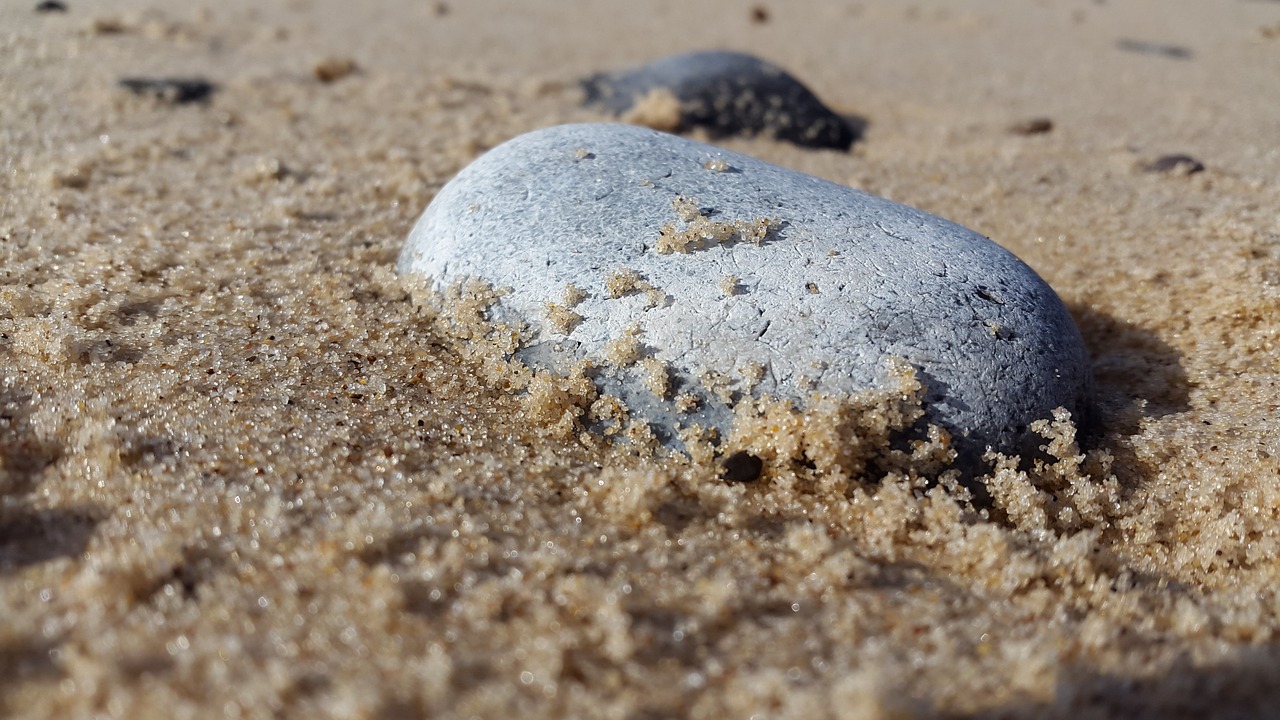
x=700 y=231
x=625 y=281
x=561 y=319
x=657 y=377
x=625 y=349
x=248 y=471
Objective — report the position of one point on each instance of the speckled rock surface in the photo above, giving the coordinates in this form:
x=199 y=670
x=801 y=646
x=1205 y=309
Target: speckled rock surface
x=728 y=93
x=716 y=261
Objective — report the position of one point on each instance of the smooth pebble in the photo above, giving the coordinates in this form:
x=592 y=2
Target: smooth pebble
x=177 y=91
x=1176 y=162
x=809 y=285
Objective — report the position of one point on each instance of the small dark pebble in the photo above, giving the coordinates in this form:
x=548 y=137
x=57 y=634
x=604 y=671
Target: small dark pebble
x=172 y=90
x=742 y=467
x=727 y=93
x=1034 y=126
x=1176 y=52
x=48 y=6
x=759 y=14
x=332 y=69
x=1175 y=162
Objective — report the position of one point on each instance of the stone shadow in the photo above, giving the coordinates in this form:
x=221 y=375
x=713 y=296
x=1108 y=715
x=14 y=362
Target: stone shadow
x=1137 y=376
x=33 y=536
x=23 y=453
x=1131 y=364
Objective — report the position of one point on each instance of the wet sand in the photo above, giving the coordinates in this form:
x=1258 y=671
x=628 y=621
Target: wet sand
x=247 y=471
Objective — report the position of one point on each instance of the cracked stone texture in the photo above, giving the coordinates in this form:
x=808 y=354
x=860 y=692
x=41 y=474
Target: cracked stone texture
x=728 y=93
x=846 y=281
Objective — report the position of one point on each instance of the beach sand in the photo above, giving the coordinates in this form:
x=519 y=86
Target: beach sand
x=250 y=472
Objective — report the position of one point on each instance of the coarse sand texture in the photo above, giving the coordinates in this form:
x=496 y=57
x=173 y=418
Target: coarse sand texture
x=250 y=470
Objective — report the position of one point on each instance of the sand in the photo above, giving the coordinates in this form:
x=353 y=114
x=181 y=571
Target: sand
x=249 y=472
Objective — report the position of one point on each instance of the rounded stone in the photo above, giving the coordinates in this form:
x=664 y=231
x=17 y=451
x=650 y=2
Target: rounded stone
x=727 y=93
x=618 y=240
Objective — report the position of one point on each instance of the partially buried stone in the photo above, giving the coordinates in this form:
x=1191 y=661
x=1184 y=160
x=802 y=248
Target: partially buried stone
x=1175 y=163
x=727 y=93
x=630 y=228
x=177 y=91
x=1033 y=126
x=1176 y=52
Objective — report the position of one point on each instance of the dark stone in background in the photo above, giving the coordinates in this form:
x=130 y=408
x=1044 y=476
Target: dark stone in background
x=729 y=93
x=172 y=90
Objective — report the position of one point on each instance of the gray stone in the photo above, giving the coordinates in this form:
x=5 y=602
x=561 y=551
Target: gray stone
x=1176 y=162
x=728 y=93
x=818 y=283
x=175 y=91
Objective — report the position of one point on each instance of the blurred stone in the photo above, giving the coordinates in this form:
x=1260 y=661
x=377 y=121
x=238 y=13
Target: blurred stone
x=727 y=93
